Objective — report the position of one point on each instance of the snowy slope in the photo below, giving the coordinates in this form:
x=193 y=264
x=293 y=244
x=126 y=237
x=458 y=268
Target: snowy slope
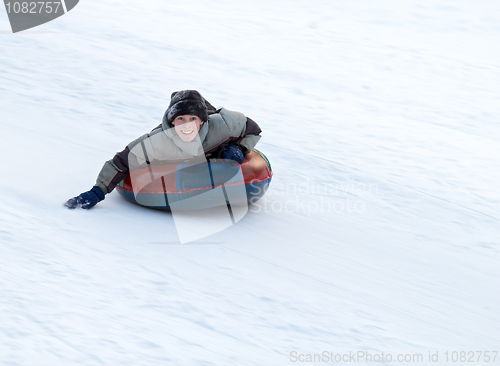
x=380 y=231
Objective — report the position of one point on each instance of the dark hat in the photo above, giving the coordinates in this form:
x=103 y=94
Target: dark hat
x=186 y=102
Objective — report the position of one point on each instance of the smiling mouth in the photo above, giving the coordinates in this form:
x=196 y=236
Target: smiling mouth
x=187 y=132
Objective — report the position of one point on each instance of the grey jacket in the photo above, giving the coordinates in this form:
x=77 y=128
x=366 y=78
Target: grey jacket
x=162 y=144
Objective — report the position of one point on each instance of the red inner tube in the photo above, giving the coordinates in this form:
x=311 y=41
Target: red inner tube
x=254 y=169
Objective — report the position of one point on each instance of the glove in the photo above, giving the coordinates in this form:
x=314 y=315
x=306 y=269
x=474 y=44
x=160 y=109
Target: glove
x=234 y=153
x=87 y=199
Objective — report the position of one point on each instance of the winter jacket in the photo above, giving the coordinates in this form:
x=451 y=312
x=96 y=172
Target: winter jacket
x=222 y=128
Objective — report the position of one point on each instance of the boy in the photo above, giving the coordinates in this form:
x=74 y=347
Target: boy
x=192 y=131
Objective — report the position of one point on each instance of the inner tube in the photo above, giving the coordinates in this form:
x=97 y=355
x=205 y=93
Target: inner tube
x=198 y=186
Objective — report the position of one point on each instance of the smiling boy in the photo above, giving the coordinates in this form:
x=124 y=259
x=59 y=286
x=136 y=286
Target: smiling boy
x=192 y=130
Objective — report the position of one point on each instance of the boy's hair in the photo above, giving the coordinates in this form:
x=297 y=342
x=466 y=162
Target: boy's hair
x=186 y=102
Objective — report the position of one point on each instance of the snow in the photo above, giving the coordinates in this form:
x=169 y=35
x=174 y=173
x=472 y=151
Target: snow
x=379 y=233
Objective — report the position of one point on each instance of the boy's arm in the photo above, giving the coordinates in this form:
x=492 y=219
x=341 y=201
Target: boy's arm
x=113 y=171
x=251 y=136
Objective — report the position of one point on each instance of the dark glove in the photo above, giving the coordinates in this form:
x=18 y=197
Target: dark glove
x=234 y=153
x=87 y=199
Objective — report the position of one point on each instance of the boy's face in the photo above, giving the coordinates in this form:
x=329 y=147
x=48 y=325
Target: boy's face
x=187 y=126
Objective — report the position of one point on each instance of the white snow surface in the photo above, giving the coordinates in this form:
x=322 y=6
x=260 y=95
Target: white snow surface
x=380 y=230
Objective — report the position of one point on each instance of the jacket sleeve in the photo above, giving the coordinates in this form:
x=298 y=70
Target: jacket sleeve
x=114 y=171
x=251 y=136
x=242 y=132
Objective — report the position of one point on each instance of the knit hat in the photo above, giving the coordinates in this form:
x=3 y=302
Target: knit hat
x=186 y=102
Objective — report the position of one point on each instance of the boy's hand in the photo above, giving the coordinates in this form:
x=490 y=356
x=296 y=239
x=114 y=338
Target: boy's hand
x=234 y=153
x=86 y=200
